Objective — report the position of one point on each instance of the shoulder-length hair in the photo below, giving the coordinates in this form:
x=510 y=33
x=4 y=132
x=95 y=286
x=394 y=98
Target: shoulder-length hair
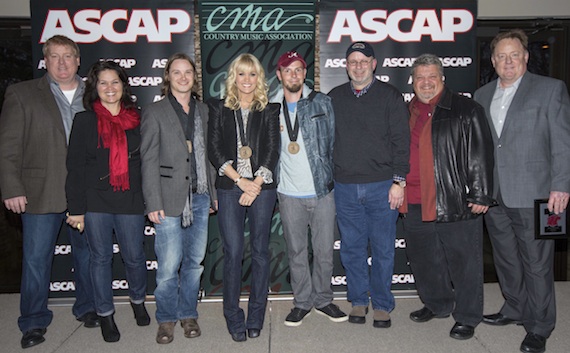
x=166 y=81
x=91 y=95
x=246 y=63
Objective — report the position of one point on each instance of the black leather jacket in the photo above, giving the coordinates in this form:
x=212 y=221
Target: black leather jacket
x=463 y=157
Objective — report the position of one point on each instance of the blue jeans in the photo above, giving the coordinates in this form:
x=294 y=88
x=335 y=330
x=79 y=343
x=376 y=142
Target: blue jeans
x=297 y=214
x=180 y=252
x=40 y=232
x=231 y=220
x=365 y=219
x=129 y=231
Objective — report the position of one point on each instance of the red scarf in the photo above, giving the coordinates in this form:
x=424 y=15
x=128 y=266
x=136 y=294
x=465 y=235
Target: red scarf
x=111 y=131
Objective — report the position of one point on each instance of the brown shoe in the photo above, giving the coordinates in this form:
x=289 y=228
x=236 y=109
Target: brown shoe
x=381 y=319
x=191 y=328
x=165 y=332
x=358 y=314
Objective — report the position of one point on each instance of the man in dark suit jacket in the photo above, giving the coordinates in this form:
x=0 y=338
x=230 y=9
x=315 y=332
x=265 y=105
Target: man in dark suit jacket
x=34 y=131
x=531 y=119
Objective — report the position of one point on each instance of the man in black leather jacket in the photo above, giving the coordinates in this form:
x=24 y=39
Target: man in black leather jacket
x=448 y=188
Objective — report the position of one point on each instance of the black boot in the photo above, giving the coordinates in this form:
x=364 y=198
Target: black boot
x=109 y=329
x=141 y=315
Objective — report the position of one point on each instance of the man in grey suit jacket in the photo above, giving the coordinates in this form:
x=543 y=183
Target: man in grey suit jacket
x=34 y=131
x=178 y=188
x=531 y=119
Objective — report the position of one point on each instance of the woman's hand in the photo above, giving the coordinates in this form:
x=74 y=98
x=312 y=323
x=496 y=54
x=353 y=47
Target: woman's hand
x=249 y=187
x=77 y=221
x=246 y=200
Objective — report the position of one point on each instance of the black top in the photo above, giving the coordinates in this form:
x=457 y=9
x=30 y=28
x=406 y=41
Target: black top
x=87 y=185
x=372 y=134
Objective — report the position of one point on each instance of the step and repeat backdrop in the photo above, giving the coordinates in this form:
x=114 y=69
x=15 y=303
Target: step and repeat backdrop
x=140 y=36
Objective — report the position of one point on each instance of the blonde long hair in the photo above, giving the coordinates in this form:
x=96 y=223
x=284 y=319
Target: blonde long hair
x=245 y=63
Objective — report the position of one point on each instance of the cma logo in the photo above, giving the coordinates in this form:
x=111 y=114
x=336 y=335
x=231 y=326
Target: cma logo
x=377 y=25
x=65 y=286
x=120 y=284
x=91 y=25
x=403 y=279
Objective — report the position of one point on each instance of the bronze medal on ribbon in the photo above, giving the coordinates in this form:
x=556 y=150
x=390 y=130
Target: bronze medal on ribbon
x=245 y=152
x=189 y=143
x=293 y=147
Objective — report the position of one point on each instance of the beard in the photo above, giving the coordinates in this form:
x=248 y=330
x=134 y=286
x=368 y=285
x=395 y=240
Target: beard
x=293 y=88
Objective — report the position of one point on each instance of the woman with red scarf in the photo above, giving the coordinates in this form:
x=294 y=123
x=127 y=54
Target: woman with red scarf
x=104 y=189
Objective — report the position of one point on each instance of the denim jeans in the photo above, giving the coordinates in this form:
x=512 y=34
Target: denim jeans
x=365 y=219
x=40 y=232
x=129 y=231
x=180 y=252
x=231 y=220
x=297 y=214
x=447 y=262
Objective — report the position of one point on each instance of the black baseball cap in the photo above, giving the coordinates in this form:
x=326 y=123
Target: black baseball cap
x=362 y=47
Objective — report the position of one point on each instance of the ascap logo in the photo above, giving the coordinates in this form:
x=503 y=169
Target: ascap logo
x=62 y=250
x=151 y=265
x=251 y=18
x=336 y=245
x=400 y=243
x=120 y=284
x=149 y=230
x=91 y=25
x=338 y=280
x=136 y=81
x=124 y=63
x=159 y=63
x=116 y=249
x=377 y=25
x=403 y=279
x=68 y=286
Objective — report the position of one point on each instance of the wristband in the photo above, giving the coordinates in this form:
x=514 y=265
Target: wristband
x=237 y=180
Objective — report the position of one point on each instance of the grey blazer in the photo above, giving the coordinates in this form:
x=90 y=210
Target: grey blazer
x=532 y=156
x=165 y=159
x=33 y=147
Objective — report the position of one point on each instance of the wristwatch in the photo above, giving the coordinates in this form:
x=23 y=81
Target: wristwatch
x=401 y=183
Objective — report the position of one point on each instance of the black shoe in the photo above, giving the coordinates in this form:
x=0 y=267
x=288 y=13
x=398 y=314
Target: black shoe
x=141 y=315
x=295 y=317
x=533 y=343
x=424 y=315
x=109 y=329
x=239 y=336
x=90 y=320
x=253 y=332
x=462 y=332
x=33 y=337
x=333 y=312
x=499 y=319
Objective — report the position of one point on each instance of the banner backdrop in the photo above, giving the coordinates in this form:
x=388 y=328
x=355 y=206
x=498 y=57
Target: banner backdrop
x=264 y=29
x=400 y=31
x=139 y=35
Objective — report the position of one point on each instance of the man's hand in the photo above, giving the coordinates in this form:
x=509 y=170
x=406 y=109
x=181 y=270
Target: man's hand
x=16 y=204
x=477 y=209
x=558 y=201
x=156 y=216
x=396 y=196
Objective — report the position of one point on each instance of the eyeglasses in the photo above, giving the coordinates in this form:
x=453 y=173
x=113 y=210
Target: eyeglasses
x=362 y=63
x=514 y=56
